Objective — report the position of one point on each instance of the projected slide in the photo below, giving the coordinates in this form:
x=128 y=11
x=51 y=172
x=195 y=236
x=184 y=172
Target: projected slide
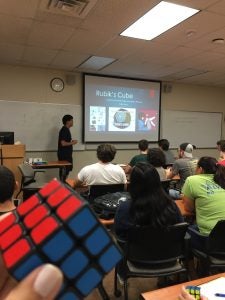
x=121 y=119
x=120 y=110
x=97 y=118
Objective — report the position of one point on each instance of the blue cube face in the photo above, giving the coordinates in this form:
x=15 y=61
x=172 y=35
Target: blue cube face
x=88 y=281
x=27 y=266
x=81 y=224
x=68 y=296
x=109 y=258
x=60 y=229
x=74 y=264
x=97 y=241
x=58 y=246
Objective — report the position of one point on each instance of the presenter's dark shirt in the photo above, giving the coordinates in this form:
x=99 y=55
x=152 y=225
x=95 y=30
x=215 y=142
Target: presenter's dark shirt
x=66 y=152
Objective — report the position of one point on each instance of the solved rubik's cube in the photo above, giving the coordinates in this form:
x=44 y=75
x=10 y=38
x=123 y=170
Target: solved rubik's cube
x=57 y=226
x=194 y=291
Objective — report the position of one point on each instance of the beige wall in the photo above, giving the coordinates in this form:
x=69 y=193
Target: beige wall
x=33 y=84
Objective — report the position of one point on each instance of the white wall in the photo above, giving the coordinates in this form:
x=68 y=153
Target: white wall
x=33 y=84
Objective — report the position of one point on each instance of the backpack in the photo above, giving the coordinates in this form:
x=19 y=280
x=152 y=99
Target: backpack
x=105 y=206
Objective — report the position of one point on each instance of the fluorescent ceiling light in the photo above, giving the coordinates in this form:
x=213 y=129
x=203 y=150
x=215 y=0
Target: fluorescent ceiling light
x=96 y=62
x=159 y=19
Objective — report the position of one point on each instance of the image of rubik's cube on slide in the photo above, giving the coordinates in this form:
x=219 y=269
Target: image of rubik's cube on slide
x=57 y=226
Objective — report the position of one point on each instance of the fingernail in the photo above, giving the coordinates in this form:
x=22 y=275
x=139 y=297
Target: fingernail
x=47 y=280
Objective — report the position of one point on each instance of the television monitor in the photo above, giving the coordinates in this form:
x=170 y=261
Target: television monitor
x=6 y=137
x=120 y=109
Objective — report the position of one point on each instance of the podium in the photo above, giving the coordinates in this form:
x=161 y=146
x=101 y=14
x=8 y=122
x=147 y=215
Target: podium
x=11 y=156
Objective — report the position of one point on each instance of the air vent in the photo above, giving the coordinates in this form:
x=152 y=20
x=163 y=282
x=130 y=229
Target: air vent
x=75 y=8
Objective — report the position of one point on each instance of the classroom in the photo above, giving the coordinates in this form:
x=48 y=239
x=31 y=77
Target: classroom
x=43 y=40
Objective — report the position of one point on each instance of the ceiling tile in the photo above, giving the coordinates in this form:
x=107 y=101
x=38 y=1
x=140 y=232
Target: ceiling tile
x=14 y=30
x=35 y=55
x=201 y=23
x=21 y=8
x=86 y=41
x=218 y=7
x=68 y=60
x=11 y=53
x=198 y=4
x=49 y=35
x=52 y=18
x=120 y=47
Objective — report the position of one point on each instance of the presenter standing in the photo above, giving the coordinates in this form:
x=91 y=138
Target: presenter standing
x=65 y=144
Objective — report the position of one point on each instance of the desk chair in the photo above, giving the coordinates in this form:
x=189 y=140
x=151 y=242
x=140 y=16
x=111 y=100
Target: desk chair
x=102 y=189
x=152 y=253
x=213 y=258
x=30 y=182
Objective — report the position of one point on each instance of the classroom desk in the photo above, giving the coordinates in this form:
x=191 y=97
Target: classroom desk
x=59 y=164
x=172 y=292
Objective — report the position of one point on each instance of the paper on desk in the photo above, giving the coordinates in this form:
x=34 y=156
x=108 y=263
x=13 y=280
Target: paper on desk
x=210 y=288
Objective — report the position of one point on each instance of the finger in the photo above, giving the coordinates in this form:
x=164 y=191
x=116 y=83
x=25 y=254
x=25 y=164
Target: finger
x=185 y=295
x=42 y=283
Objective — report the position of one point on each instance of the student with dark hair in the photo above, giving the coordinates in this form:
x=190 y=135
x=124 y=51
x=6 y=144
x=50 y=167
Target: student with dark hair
x=141 y=157
x=219 y=144
x=222 y=153
x=149 y=204
x=157 y=158
x=102 y=172
x=204 y=193
x=65 y=143
x=164 y=146
x=7 y=188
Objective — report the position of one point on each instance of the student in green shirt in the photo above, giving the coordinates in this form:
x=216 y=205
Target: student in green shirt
x=142 y=157
x=204 y=193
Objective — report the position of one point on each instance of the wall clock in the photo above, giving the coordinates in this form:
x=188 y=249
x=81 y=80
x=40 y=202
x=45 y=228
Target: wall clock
x=57 y=84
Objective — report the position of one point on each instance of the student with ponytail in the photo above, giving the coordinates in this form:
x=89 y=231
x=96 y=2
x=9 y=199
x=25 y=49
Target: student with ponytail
x=204 y=194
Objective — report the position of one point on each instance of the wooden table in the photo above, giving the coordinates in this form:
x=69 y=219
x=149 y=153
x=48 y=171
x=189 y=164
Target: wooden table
x=58 y=164
x=172 y=292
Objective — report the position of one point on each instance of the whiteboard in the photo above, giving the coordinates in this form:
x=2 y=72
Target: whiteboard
x=37 y=124
x=202 y=129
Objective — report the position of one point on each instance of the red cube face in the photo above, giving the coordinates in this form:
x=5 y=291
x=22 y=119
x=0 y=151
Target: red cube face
x=57 y=226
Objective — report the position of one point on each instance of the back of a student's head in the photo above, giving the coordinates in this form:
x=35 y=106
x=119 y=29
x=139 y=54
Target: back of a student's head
x=156 y=157
x=209 y=165
x=143 y=178
x=106 y=152
x=222 y=145
x=164 y=144
x=7 y=184
x=66 y=118
x=148 y=197
x=143 y=145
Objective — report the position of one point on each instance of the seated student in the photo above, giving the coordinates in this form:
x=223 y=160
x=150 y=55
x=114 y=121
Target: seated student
x=204 y=193
x=164 y=146
x=143 y=147
x=102 y=172
x=157 y=158
x=222 y=153
x=7 y=188
x=184 y=166
x=219 y=144
x=149 y=204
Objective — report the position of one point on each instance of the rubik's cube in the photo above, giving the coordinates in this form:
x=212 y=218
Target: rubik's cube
x=57 y=226
x=194 y=291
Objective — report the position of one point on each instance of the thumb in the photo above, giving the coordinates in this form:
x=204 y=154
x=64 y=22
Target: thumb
x=43 y=283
